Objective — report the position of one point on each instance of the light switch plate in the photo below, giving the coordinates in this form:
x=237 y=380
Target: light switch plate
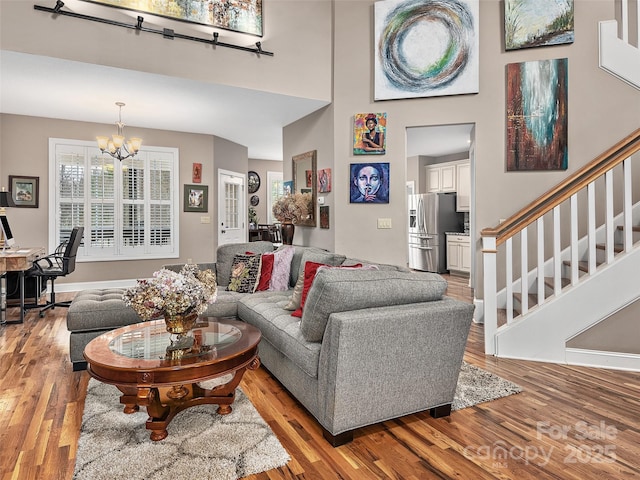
x=205 y=219
x=384 y=223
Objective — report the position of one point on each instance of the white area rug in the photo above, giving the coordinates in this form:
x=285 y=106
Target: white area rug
x=201 y=443
x=476 y=385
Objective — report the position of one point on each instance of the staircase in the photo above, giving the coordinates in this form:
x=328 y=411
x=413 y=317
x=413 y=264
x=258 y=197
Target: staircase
x=619 y=55
x=579 y=250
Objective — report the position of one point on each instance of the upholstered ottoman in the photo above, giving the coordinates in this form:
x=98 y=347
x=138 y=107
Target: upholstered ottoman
x=92 y=313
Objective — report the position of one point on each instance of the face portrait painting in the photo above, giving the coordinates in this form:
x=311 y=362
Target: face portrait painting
x=369 y=183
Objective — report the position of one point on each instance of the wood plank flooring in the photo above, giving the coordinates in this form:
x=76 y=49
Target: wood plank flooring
x=569 y=423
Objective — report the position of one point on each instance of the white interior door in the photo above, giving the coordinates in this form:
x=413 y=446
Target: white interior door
x=232 y=211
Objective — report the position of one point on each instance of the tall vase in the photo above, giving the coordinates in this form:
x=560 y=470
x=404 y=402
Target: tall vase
x=288 y=229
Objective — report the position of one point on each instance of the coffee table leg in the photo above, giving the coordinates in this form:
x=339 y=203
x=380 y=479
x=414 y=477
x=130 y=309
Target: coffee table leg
x=129 y=399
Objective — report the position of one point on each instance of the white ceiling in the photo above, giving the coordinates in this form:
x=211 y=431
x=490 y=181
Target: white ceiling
x=438 y=140
x=56 y=88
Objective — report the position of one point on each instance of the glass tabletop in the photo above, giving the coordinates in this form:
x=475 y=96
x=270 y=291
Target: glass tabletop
x=154 y=342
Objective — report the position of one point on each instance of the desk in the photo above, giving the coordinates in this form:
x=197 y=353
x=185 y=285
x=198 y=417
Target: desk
x=20 y=261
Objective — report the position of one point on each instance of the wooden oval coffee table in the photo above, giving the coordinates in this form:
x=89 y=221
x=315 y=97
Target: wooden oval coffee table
x=150 y=371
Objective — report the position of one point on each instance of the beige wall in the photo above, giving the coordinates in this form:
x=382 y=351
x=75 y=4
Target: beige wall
x=602 y=110
x=26 y=153
x=314 y=132
x=298 y=33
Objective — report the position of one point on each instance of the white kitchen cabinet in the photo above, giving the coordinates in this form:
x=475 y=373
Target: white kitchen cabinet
x=458 y=253
x=441 y=178
x=463 y=187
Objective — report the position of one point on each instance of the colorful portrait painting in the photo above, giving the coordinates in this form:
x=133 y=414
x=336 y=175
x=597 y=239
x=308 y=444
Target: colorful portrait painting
x=426 y=48
x=537 y=115
x=537 y=23
x=324 y=180
x=244 y=16
x=369 y=183
x=369 y=133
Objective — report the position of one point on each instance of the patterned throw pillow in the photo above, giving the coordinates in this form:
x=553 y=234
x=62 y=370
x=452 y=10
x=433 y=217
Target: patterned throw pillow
x=281 y=268
x=245 y=273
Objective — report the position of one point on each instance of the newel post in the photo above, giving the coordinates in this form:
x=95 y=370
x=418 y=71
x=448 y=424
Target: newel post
x=489 y=251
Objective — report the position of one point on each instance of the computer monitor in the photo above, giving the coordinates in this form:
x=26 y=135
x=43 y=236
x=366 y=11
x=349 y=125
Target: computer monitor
x=9 y=241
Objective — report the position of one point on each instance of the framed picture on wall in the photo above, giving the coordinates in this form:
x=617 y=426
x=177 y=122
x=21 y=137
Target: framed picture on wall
x=24 y=190
x=196 y=198
x=324 y=216
x=324 y=180
x=369 y=133
x=196 y=174
x=369 y=183
x=244 y=16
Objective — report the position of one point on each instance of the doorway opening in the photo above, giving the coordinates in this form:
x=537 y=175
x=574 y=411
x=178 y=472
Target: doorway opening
x=441 y=158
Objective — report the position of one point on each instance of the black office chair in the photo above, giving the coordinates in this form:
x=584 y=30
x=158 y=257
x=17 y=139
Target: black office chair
x=59 y=264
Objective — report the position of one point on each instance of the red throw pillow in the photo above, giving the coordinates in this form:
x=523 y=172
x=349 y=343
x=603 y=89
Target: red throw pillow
x=265 y=272
x=310 y=270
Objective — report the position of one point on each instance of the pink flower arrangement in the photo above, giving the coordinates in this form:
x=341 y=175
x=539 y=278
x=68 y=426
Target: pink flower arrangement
x=171 y=293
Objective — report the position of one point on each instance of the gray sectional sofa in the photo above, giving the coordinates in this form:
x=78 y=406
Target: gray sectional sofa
x=371 y=345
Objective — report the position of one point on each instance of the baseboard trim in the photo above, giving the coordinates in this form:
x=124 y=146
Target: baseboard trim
x=629 y=362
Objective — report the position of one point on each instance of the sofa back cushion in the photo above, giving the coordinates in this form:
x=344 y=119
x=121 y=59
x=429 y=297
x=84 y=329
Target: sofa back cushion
x=303 y=255
x=226 y=253
x=342 y=290
x=381 y=266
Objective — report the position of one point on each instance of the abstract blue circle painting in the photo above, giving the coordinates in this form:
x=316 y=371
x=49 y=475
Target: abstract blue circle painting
x=426 y=48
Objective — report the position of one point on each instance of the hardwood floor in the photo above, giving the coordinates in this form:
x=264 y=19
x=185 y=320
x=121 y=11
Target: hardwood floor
x=568 y=423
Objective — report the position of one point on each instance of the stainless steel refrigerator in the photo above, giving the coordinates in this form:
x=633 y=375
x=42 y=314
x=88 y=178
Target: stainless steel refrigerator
x=430 y=216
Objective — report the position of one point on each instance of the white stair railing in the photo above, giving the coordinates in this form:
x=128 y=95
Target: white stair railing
x=619 y=55
x=531 y=271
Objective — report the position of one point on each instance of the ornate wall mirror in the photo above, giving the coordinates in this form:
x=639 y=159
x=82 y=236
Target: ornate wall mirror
x=305 y=181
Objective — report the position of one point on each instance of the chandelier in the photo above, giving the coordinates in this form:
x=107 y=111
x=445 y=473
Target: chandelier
x=117 y=146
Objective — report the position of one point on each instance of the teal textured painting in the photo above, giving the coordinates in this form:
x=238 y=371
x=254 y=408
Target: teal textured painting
x=537 y=115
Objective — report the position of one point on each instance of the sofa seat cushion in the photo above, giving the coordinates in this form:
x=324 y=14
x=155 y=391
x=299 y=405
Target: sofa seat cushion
x=100 y=309
x=265 y=310
x=226 y=304
x=342 y=290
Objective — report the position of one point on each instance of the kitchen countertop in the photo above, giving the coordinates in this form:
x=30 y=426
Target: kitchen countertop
x=457 y=233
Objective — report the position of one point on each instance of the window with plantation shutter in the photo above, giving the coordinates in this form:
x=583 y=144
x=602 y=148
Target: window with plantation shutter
x=131 y=206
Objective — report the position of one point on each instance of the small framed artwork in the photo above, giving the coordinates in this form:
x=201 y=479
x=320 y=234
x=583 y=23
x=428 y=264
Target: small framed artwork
x=324 y=180
x=196 y=198
x=25 y=191
x=254 y=200
x=287 y=187
x=309 y=177
x=369 y=133
x=196 y=175
x=369 y=183
x=324 y=216
x=305 y=190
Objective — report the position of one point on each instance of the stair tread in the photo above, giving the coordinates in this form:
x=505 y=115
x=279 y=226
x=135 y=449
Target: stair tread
x=617 y=248
x=635 y=228
x=550 y=282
